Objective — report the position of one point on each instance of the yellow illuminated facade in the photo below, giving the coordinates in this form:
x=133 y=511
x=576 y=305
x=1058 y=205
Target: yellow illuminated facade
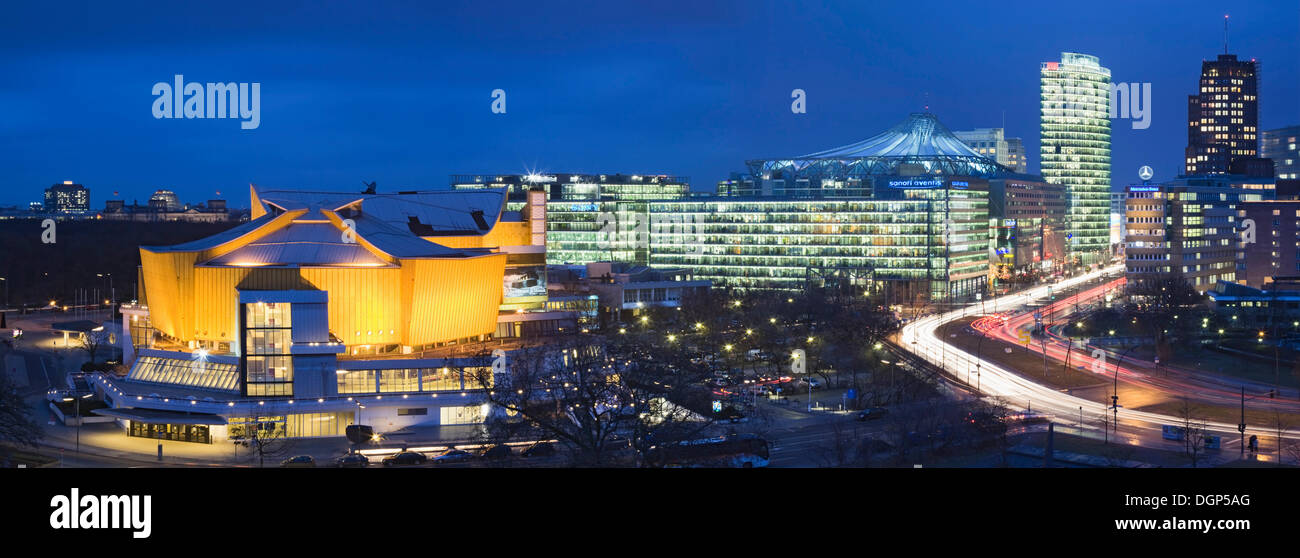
x=402 y=271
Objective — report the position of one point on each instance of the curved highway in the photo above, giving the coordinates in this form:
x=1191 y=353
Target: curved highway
x=919 y=337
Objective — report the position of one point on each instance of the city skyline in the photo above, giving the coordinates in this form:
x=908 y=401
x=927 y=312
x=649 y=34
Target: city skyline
x=383 y=100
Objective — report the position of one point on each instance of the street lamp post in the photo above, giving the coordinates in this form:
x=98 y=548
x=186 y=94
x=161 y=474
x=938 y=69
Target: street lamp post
x=77 y=402
x=1241 y=427
x=1114 y=399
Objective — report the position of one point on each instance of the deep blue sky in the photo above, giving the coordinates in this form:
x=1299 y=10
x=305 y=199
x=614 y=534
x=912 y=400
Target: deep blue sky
x=401 y=93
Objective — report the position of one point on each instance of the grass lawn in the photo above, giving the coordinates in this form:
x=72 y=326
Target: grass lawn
x=23 y=456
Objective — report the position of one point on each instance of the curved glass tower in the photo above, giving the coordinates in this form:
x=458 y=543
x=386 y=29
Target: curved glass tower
x=1074 y=134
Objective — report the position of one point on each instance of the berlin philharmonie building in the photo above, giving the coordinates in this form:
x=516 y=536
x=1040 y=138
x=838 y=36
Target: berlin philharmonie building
x=330 y=309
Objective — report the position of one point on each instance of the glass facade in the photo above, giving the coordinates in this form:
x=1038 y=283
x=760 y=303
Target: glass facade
x=141 y=332
x=931 y=230
x=588 y=217
x=195 y=433
x=1075 y=148
x=268 y=367
x=406 y=380
x=196 y=373
x=302 y=425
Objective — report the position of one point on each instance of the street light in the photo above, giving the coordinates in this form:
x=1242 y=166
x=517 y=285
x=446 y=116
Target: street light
x=78 y=407
x=1114 y=399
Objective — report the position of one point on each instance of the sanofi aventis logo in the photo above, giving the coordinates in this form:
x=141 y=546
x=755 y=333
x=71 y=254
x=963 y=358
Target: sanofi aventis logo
x=216 y=100
x=102 y=512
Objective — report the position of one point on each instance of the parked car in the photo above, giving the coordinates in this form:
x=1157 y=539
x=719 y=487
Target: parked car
x=541 y=449
x=405 y=458
x=299 y=461
x=498 y=452
x=352 y=460
x=872 y=413
x=813 y=382
x=452 y=455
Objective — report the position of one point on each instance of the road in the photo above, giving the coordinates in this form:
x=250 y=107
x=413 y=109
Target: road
x=1137 y=427
x=1197 y=386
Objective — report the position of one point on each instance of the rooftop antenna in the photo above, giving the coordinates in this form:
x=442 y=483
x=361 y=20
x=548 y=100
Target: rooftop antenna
x=1225 y=33
x=926 y=105
x=370 y=187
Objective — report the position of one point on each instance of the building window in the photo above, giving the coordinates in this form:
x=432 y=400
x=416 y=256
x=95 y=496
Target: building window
x=268 y=367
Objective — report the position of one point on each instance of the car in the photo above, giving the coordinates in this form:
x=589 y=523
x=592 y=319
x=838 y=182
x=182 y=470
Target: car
x=299 y=461
x=814 y=383
x=352 y=460
x=497 y=452
x=453 y=455
x=540 y=449
x=872 y=413
x=405 y=458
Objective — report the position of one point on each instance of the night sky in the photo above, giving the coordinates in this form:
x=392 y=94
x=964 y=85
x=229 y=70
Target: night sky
x=401 y=94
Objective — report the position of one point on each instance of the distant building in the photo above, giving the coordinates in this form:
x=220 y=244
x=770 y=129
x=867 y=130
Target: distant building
x=1187 y=227
x=1223 y=117
x=1276 y=247
x=214 y=211
x=1027 y=216
x=625 y=290
x=1280 y=146
x=992 y=143
x=1278 y=302
x=67 y=198
x=165 y=200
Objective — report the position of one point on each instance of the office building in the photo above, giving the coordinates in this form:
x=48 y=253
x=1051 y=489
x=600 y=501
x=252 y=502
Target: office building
x=67 y=198
x=917 y=239
x=1074 y=134
x=1280 y=146
x=1186 y=227
x=993 y=143
x=1027 y=227
x=1223 y=116
x=1274 y=250
x=587 y=220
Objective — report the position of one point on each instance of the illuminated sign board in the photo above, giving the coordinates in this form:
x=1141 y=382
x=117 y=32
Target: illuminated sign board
x=915 y=183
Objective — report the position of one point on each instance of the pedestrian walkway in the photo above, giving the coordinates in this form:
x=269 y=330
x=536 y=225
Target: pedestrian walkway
x=16 y=368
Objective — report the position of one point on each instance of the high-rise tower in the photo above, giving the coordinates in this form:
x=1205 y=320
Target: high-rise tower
x=1223 y=117
x=1074 y=133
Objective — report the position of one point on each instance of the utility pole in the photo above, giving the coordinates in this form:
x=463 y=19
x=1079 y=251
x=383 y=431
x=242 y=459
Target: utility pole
x=1044 y=346
x=1241 y=426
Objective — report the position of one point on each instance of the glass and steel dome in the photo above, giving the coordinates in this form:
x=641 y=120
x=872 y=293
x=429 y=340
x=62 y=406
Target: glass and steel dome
x=919 y=140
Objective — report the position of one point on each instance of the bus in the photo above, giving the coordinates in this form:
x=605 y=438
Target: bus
x=735 y=450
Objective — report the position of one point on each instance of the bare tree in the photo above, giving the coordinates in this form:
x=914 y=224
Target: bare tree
x=1281 y=425
x=16 y=428
x=597 y=396
x=1194 y=430
x=92 y=341
x=263 y=438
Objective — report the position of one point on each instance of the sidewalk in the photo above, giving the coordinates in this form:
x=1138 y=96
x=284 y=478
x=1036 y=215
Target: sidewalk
x=16 y=368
